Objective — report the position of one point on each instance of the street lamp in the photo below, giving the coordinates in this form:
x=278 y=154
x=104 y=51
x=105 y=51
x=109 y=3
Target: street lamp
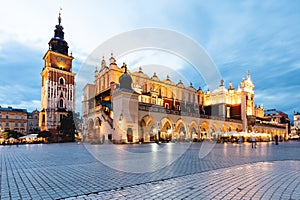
x=120 y=126
x=158 y=131
x=188 y=133
x=200 y=132
x=1 y=131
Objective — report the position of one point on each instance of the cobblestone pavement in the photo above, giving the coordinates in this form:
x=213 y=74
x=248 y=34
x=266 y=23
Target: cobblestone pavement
x=263 y=180
x=58 y=171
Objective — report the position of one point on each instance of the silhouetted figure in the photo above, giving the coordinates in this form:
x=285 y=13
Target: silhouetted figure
x=276 y=139
x=253 y=139
x=240 y=140
x=103 y=139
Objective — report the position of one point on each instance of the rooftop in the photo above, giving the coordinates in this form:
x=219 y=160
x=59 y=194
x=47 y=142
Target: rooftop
x=11 y=109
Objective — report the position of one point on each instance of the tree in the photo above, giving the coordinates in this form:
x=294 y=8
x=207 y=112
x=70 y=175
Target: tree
x=5 y=135
x=44 y=134
x=12 y=133
x=68 y=128
x=77 y=118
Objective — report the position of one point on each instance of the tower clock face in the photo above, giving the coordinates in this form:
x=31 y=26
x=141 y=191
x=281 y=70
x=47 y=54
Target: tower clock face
x=61 y=60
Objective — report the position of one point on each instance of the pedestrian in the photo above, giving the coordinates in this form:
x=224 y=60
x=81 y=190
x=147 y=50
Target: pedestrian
x=240 y=140
x=253 y=140
x=276 y=139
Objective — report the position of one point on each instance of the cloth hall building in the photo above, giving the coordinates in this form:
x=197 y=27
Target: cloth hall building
x=127 y=107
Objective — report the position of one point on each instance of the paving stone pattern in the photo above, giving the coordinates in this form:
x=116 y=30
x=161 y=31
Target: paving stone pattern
x=59 y=171
x=264 y=180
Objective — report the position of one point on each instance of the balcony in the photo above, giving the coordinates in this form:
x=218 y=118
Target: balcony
x=156 y=108
x=160 y=109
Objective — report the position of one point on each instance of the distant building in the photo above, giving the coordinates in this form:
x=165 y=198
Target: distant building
x=259 y=111
x=276 y=116
x=295 y=130
x=33 y=121
x=13 y=119
x=297 y=120
x=58 y=86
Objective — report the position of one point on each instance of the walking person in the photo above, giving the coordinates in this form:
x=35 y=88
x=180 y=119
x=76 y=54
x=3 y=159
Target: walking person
x=276 y=139
x=253 y=140
x=240 y=140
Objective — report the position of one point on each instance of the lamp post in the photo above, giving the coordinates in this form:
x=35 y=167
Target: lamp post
x=174 y=129
x=96 y=133
x=199 y=133
x=1 y=131
x=169 y=133
x=188 y=131
x=158 y=131
x=120 y=126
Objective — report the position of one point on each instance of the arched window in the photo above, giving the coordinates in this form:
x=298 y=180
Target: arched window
x=61 y=81
x=61 y=103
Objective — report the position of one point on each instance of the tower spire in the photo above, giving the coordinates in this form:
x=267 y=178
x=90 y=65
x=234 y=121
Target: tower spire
x=248 y=74
x=59 y=16
x=58 y=43
x=103 y=63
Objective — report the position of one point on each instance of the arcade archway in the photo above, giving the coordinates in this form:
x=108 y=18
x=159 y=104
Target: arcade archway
x=165 y=130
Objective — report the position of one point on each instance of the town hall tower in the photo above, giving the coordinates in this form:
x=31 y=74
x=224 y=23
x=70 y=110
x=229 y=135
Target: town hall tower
x=58 y=86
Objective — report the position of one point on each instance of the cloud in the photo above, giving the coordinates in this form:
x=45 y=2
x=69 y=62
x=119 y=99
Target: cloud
x=20 y=75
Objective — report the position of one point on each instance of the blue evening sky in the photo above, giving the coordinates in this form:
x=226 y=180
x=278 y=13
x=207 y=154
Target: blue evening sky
x=262 y=36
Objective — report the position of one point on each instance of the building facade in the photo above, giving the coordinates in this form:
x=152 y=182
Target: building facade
x=295 y=130
x=276 y=116
x=297 y=120
x=58 y=86
x=13 y=119
x=33 y=121
x=145 y=108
